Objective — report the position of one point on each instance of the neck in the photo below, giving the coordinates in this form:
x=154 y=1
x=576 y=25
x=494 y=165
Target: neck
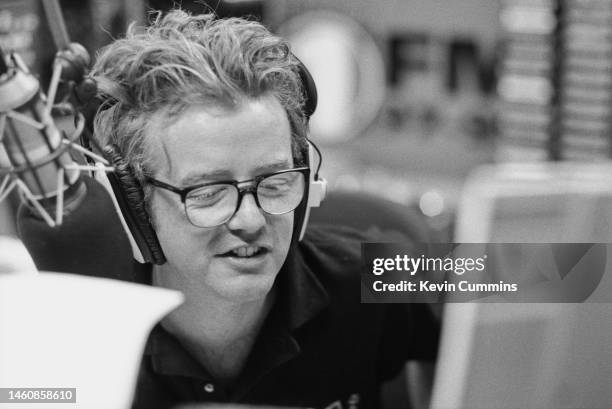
x=219 y=333
x=206 y=315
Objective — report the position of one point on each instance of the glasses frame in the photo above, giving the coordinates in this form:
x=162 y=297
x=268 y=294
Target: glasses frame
x=252 y=186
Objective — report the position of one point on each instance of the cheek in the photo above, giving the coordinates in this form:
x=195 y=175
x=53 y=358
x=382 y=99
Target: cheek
x=164 y=214
x=171 y=225
x=283 y=230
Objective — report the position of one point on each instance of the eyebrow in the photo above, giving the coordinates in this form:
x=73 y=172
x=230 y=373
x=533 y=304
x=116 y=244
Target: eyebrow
x=199 y=177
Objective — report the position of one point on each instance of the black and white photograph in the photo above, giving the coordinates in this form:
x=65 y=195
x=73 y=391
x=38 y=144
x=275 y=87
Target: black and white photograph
x=305 y=204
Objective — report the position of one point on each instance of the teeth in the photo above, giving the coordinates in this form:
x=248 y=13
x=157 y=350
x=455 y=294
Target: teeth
x=246 y=251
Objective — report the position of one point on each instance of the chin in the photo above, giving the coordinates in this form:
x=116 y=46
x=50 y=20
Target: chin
x=246 y=287
x=243 y=280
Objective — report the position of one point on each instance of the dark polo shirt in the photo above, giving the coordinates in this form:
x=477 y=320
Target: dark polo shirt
x=319 y=347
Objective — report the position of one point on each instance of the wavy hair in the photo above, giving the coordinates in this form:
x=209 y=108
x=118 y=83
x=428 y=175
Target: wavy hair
x=181 y=60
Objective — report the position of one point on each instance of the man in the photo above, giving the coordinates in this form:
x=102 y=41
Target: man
x=209 y=115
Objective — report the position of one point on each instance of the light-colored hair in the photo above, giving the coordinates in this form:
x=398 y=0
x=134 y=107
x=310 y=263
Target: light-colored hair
x=181 y=60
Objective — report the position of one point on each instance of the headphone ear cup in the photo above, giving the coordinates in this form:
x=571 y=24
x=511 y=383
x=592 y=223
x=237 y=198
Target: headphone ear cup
x=315 y=190
x=300 y=215
x=131 y=200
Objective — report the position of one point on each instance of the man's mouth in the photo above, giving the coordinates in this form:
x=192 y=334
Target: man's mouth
x=245 y=252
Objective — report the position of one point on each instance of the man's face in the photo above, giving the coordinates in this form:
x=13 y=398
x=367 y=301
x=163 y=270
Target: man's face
x=208 y=144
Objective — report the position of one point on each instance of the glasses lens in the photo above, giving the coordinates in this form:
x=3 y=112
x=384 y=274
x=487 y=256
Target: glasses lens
x=211 y=206
x=281 y=193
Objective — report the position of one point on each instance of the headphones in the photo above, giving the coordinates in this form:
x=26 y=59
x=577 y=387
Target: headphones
x=127 y=193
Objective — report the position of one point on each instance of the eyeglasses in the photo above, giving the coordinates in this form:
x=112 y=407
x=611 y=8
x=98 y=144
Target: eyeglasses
x=213 y=204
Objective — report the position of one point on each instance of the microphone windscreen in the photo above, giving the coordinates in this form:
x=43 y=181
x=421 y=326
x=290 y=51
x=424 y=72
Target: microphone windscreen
x=91 y=240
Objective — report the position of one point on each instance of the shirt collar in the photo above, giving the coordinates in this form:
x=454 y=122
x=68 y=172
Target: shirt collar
x=168 y=357
x=301 y=294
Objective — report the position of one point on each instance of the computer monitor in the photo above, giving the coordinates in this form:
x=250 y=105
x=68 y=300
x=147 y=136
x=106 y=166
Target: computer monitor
x=536 y=355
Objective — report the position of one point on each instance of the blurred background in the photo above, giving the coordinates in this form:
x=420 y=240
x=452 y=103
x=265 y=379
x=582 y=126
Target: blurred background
x=413 y=94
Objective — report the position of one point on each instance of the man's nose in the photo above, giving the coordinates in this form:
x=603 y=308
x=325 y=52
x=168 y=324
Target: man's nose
x=249 y=218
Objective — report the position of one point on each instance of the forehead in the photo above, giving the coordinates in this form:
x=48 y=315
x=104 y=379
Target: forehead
x=208 y=143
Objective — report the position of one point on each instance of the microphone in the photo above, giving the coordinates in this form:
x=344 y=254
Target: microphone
x=35 y=159
x=34 y=154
